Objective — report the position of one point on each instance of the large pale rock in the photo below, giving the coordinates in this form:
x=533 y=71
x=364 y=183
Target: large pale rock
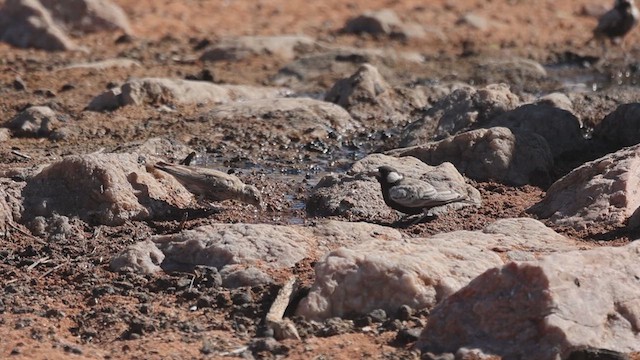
x=102 y=188
x=366 y=95
x=104 y=64
x=226 y=244
x=419 y=272
x=89 y=15
x=42 y=24
x=458 y=111
x=545 y=309
x=229 y=246
x=294 y=119
x=161 y=91
x=490 y=154
x=27 y=23
x=560 y=128
x=34 y=121
x=621 y=127
x=358 y=195
x=600 y=192
x=285 y=47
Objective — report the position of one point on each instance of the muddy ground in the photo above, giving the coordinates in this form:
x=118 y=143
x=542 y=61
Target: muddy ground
x=59 y=299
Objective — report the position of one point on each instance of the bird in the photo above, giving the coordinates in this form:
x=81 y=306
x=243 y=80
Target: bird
x=412 y=196
x=212 y=185
x=617 y=22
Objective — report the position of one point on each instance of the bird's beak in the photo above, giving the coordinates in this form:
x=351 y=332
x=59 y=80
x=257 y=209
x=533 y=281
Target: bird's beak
x=373 y=173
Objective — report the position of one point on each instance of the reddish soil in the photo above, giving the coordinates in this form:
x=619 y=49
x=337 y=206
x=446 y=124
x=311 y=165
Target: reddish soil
x=60 y=300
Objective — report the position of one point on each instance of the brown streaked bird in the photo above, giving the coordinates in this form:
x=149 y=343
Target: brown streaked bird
x=412 y=196
x=212 y=184
x=617 y=22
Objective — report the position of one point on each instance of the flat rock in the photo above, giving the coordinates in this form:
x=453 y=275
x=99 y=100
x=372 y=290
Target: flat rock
x=560 y=128
x=621 y=127
x=167 y=149
x=35 y=121
x=218 y=245
x=357 y=195
x=545 y=309
x=27 y=23
x=600 y=192
x=494 y=154
x=177 y=91
x=382 y=274
x=285 y=47
x=309 y=73
x=102 y=188
x=234 y=248
x=366 y=95
x=104 y=64
x=292 y=119
x=458 y=111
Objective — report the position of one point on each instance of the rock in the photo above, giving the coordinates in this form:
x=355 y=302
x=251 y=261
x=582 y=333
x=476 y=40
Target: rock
x=104 y=64
x=285 y=47
x=476 y=21
x=164 y=148
x=235 y=277
x=510 y=70
x=331 y=234
x=601 y=192
x=458 y=111
x=420 y=273
x=143 y=257
x=5 y=134
x=367 y=95
x=382 y=22
x=102 y=188
x=556 y=100
x=42 y=23
x=177 y=91
x=309 y=73
x=220 y=245
x=243 y=251
x=89 y=15
x=621 y=127
x=34 y=121
x=292 y=119
x=495 y=154
x=560 y=128
x=27 y=23
x=356 y=195
x=544 y=309
x=10 y=201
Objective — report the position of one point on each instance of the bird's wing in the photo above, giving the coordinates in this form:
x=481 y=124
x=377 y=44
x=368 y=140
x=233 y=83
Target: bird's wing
x=610 y=19
x=421 y=194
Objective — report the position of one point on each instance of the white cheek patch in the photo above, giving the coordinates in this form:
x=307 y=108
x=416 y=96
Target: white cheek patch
x=393 y=177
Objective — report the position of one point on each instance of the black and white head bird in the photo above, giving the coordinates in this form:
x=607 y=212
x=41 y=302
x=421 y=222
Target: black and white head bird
x=617 y=22
x=412 y=196
x=213 y=185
